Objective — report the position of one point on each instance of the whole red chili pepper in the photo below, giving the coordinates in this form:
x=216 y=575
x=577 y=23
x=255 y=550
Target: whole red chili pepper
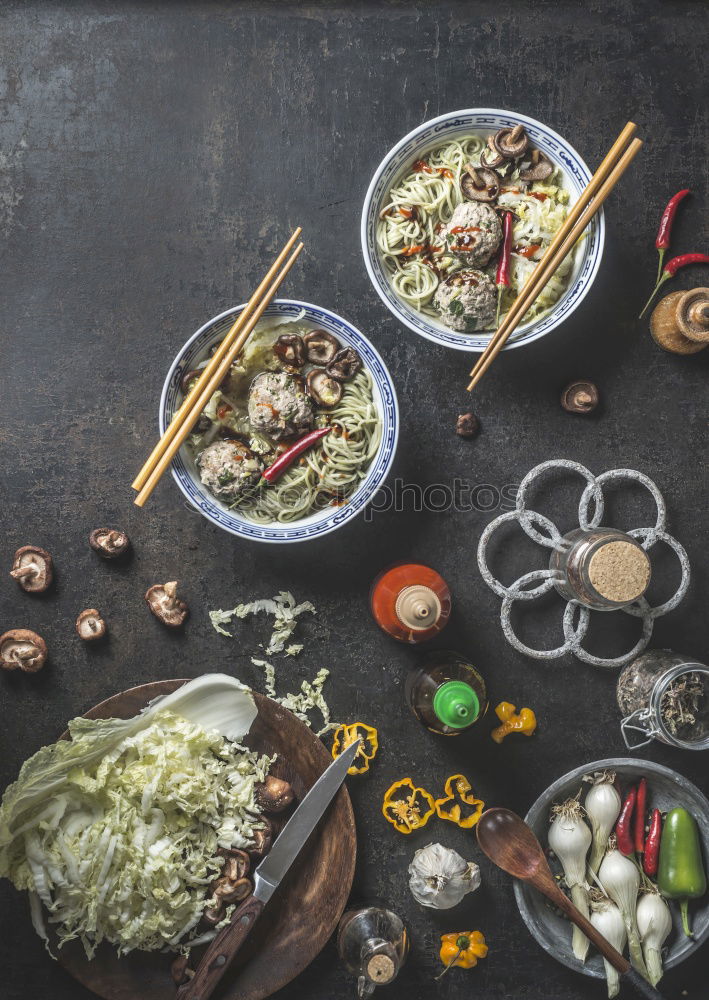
x=671 y=268
x=624 y=826
x=275 y=471
x=639 y=827
x=652 y=844
x=662 y=242
x=502 y=278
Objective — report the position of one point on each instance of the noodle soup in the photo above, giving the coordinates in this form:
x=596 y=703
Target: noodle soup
x=291 y=379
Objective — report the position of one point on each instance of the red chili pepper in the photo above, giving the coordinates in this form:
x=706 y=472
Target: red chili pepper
x=275 y=471
x=502 y=278
x=662 y=241
x=640 y=807
x=624 y=826
x=670 y=270
x=652 y=844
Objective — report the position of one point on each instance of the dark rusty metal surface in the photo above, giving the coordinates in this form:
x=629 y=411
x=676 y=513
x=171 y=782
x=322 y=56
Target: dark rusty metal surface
x=153 y=157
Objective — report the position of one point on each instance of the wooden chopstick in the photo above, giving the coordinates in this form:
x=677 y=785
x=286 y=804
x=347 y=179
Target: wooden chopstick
x=565 y=239
x=214 y=362
x=206 y=388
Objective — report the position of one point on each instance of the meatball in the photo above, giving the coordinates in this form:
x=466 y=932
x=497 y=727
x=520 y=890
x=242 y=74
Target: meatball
x=278 y=406
x=474 y=233
x=227 y=468
x=467 y=301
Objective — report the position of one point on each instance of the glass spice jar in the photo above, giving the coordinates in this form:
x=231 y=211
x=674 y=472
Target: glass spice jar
x=664 y=696
x=602 y=568
x=373 y=944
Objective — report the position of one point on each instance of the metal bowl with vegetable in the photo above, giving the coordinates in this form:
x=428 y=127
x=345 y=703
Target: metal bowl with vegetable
x=668 y=817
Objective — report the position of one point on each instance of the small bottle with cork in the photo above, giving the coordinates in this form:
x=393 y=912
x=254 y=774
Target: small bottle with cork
x=602 y=568
x=410 y=602
x=373 y=944
x=446 y=693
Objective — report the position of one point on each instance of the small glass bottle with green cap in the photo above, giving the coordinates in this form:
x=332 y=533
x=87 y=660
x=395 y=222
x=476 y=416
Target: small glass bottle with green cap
x=446 y=693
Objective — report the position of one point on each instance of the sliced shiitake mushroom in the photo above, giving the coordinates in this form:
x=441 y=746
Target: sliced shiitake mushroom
x=290 y=349
x=512 y=143
x=491 y=157
x=232 y=892
x=344 y=365
x=237 y=863
x=23 y=649
x=213 y=914
x=33 y=569
x=179 y=970
x=539 y=169
x=323 y=388
x=480 y=183
x=90 y=625
x=108 y=542
x=262 y=839
x=164 y=603
x=274 y=794
x=320 y=347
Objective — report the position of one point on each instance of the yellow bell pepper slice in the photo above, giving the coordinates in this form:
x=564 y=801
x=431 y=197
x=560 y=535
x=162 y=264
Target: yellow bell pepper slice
x=346 y=735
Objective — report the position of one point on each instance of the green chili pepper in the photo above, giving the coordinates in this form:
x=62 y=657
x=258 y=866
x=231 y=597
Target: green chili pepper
x=681 y=872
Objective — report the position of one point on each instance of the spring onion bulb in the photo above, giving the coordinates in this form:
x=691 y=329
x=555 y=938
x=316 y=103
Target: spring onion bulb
x=602 y=807
x=570 y=839
x=620 y=880
x=607 y=918
x=654 y=923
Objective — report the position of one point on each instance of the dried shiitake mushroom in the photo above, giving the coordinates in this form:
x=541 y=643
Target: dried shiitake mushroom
x=237 y=863
x=273 y=794
x=680 y=322
x=109 y=542
x=23 y=649
x=213 y=914
x=232 y=891
x=467 y=425
x=511 y=143
x=539 y=169
x=323 y=389
x=90 y=625
x=262 y=839
x=491 y=157
x=480 y=183
x=188 y=380
x=320 y=347
x=164 y=603
x=290 y=349
x=33 y=569
x=179 y=971
x=580 y=397
x=344 y=365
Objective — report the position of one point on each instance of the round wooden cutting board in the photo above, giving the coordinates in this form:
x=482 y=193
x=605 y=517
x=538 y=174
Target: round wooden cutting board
x=303 y=913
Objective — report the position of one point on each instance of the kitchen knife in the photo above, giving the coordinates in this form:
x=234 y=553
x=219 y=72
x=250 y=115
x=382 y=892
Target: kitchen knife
x=267 y=878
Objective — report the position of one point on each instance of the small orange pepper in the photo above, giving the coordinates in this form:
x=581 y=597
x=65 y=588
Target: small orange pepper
x=346 y=735
x=524 y=721
x=459 y=793
x=403 y=803
x=462 y=948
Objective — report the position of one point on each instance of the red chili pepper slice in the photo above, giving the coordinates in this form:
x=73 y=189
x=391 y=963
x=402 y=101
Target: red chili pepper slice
x=528 y=251
x=652 y=844
x=670 y=270
x=640 y=807
x=275 y=471
x=502 y=277
x=624 y=826
x=662 y=241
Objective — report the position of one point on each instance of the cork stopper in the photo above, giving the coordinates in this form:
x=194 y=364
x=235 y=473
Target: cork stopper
x=380 y=969
x=619 y=571
x=417 y=608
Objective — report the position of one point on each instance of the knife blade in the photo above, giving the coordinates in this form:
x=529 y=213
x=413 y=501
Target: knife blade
x=267 y=878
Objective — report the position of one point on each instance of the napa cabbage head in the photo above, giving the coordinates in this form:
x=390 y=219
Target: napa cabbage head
x=115 y=832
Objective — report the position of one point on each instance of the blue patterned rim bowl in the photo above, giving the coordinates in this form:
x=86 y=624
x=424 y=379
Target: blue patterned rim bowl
x=322 y=522
x=416 y=145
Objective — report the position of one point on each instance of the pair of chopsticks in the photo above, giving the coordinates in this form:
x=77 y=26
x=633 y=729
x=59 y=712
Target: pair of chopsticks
x=616 y=162
x=214 y=373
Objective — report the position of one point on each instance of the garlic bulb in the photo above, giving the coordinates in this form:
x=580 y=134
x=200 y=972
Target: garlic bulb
x=439 y=877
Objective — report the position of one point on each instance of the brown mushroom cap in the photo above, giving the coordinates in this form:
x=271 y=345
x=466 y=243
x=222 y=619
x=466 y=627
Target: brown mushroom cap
x=262 y=839
x=323 y=388
x=344 y=365
x=540 y=167
x=213 y=914
x=467 y=425
x=491 y=157
x=580 y=397
x=19 y=647
x=273 y=794
x=320 y=347
x=480 y=183
x=232 y=891
x=511 y=143
x=109 y=542
x=164 y=603
x=90 y=625
x=33 y=569
x=188 y=378
x=290 y=349
x=236 y=864
x=670 y=319
x=179 y=971
x=693 y=315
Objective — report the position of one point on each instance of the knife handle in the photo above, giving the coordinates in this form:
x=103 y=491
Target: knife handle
x=221 y=951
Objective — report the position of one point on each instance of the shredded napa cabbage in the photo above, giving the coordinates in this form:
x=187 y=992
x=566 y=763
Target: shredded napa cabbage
x=115 y=832
x=285 y=612
x=309 y=697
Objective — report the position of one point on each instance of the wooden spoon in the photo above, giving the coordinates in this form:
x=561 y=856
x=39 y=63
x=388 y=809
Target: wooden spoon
x=512 y=846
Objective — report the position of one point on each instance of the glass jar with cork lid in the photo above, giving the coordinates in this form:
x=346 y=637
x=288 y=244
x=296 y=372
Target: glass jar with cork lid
x=602 y=568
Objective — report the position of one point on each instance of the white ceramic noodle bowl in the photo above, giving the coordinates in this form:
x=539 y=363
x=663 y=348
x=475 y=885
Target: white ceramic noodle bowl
x=482 y=121
x=322 y=522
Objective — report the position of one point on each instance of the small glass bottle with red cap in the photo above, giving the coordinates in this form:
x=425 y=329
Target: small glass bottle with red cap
x=410 y=602
x=446 y=693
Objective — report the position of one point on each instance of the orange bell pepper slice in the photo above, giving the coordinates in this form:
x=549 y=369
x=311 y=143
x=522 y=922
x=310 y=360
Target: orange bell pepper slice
x=346 y=735
x=407 y=807
x=459 y=794
x=524 y=721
